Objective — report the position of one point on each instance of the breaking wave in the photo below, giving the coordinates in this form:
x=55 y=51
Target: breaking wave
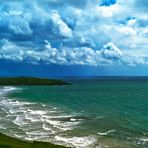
x=36 y=121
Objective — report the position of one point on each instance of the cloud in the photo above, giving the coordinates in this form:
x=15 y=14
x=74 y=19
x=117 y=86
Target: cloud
x=111 y=51
x=108 y=11
x=60 y=26
x=19 y=25
x=108 y=55
x=85 y=32
x=10 y=51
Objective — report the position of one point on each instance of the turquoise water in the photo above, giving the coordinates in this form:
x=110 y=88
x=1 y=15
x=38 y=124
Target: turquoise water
x=89 y=113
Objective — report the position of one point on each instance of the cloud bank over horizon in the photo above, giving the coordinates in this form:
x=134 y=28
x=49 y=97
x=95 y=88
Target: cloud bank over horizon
x=72 y=32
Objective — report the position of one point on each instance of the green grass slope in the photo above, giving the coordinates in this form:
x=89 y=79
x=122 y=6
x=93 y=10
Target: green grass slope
x=9 y=142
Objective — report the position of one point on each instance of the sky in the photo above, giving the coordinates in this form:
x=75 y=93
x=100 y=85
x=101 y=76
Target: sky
x=73 y=37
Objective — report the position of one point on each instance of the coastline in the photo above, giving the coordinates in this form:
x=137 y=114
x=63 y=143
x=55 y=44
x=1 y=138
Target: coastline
x=11 y=142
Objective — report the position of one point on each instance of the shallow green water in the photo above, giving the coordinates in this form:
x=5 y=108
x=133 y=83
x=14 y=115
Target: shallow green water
x=107 y=113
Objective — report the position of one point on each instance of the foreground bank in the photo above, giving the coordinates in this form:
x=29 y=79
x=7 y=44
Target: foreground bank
x=9 y=142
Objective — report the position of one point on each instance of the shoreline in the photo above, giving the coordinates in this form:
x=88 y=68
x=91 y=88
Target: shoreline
x=12 y=142
x=7 y=141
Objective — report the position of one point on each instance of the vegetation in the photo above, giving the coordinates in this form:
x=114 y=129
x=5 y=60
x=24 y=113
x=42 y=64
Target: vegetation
x=9 y=142
x=30 y=81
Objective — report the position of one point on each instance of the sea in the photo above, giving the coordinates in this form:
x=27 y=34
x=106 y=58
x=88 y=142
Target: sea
x=95 y=112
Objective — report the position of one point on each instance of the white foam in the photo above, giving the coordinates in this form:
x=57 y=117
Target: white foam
x=19 y=120
x=64 y=116
x=69 y=124
x=1 y=127
x=37 y=133
x=32 y=119
x=15 y=110
x=32 y=138
x=43 y=105
x=77 y=141
x=53 y=122
x=105 y=133
x=73 y=119
x=64 y=126
x=143 y=140
x=46 y=127
x=38 y=112
x=24 y=103
x=9 y=103
x=18 y=136
x=8 y=89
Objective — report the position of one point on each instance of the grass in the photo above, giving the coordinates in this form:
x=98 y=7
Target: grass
x=30 y=81
x=9 y=142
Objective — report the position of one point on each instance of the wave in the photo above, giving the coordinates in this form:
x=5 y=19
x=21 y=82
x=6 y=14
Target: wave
x=7 y=89
x=106 y=133
x=78 y=141
x=142 y=141
x=36 y=121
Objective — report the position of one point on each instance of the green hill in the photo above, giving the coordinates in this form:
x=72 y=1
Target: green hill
x=30 y=81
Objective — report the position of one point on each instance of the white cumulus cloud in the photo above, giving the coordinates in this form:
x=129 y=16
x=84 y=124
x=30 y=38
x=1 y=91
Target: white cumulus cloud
x=60 y=26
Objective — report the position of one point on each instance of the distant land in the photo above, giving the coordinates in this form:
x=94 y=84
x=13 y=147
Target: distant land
x=30 y=81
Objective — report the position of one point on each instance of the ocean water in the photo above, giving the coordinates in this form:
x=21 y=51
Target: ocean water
x=93 y=113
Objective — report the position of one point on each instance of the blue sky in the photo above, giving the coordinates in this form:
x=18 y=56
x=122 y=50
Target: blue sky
x=73 y=37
